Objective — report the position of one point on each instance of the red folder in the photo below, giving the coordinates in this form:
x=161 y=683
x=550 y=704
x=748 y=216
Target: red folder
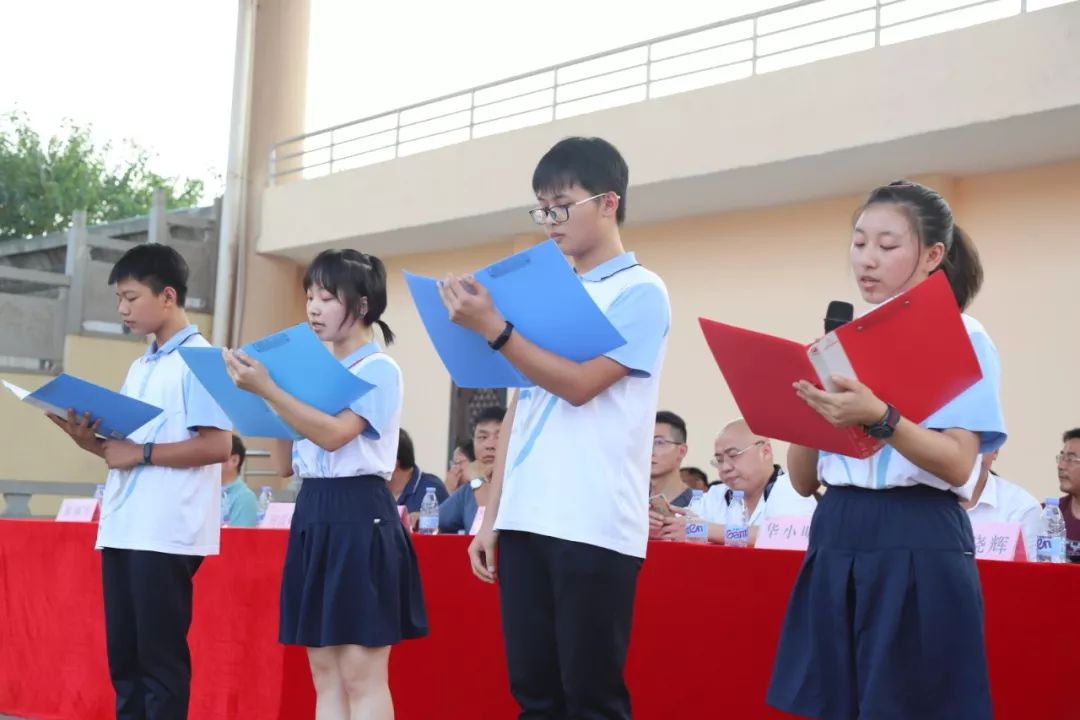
x=912 y=351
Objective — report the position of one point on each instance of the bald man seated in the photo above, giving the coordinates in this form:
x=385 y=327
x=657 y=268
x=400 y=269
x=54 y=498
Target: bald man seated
x=745 y=462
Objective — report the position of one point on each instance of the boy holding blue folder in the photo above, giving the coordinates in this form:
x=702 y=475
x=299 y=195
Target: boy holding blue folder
x=568 y=510
x=161 y=511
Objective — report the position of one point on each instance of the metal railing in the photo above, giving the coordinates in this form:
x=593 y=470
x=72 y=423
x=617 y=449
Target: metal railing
x=40 y=307
x=771 y=39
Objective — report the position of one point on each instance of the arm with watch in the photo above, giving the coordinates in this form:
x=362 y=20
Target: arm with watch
x=577 y=383
x=949 y=454
x=209 y=447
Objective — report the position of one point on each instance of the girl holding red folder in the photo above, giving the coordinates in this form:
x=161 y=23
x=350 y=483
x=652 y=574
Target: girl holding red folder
x=885 y=619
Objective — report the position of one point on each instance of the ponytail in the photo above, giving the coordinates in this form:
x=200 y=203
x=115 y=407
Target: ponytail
x=387 y=333
x=962 y=267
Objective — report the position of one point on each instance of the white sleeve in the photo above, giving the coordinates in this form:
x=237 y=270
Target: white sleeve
x=785 y=502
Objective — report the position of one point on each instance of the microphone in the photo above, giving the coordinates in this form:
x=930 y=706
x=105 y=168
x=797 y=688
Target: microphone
x=839 y=313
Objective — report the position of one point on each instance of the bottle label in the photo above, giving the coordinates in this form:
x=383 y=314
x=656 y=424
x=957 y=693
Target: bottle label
x=733 y=535
x=429 y=523
x=697 y=530
x=1051 y=547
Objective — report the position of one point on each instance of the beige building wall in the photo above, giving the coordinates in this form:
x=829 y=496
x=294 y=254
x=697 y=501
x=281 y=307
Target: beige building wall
x=776 y=269
x=37 y=450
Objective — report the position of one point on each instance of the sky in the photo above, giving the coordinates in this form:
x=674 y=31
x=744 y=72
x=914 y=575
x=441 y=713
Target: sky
x=159 y=72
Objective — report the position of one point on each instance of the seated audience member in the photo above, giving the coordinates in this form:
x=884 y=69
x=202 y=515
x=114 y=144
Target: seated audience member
x=459 y=460
x=1068 y=468
x=695 y=478
x=456 y=513
x=668 y=450
x=745 y=462
x=408 y=484
x=995 y=499
x=243 y=506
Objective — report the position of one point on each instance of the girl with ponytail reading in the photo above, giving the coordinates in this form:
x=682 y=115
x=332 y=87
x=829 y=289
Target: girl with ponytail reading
x=885 y=619
x=351 y=586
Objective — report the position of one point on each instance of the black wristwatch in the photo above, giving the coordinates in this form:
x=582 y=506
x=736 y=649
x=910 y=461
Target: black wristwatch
x=147 y=451
x=498 y=342
x=884 y=428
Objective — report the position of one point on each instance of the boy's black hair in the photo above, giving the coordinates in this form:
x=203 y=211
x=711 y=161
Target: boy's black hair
x=238 y=448
x=156 y=266
x=697 y=472
x=591 y=162
x=1068 y=435
x=495 y=414
x=678 y=425
x=406 y=454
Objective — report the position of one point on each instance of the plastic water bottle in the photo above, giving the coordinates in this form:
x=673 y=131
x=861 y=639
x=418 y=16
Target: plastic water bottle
x=1051 y=544
x=697 y=529
x=429 y=513
x=265 y=496
x=224 y=509
x=736 y=533
x=99 y=493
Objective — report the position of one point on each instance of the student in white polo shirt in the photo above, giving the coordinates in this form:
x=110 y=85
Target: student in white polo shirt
x=569 y=499
x=161 y=511
x=995 y=499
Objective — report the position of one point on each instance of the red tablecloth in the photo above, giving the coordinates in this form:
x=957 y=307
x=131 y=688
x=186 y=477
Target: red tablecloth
x=705 y=630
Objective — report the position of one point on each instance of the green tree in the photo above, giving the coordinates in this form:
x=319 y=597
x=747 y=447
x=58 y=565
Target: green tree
x=43 y=181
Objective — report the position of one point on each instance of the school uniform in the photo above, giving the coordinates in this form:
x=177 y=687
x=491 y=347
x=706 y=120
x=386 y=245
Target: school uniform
x=886 y=617
x=573 y=517
x=351 y=576
x=157 y=524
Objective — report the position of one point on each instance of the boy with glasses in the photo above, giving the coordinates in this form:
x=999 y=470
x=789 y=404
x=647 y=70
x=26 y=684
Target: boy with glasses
x=569 y=495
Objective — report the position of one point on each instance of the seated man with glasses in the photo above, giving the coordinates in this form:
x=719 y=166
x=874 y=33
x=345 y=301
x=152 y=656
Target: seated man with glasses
x=1068 y=467
x=745 y=462
x=668 y=451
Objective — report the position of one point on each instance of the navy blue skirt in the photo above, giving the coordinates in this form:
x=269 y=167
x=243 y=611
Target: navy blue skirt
x=886 y=618
x=351 y=576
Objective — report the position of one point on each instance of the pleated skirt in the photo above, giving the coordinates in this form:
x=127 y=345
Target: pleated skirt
x=885 y=621
x=351 y=576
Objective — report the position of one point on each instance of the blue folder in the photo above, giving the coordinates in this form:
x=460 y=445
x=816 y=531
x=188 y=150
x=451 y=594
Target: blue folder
x=120 y=415
x=539 y=293
x=300 y=365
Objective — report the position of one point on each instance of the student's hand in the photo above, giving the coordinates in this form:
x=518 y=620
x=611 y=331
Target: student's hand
x=674 y=528
x=122 y=454
x=853 y=405
x=656 y=523
x=483 y=554
x=81 y=429
x=470 y=306
x=247 y=372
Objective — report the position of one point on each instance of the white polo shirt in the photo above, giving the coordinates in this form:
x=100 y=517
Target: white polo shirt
x=977 y=409
x=161 y=509
x=783 y=501
x=582 y=473
x=374 y=451
x=1003 y=501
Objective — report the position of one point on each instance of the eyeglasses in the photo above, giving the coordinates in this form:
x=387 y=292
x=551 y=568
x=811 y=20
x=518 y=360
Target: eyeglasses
x=558 y=213
x=659 y=443
x=1067 y=458
x=719 y=459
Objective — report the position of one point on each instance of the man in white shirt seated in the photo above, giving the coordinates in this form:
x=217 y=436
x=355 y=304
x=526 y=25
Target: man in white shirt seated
x=745 y=462
x=995 y=499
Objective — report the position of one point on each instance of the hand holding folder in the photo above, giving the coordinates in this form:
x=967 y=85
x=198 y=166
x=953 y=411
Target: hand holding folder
x=913 y=352
x=118 y=414
x=297 y=362
x=538 y=292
